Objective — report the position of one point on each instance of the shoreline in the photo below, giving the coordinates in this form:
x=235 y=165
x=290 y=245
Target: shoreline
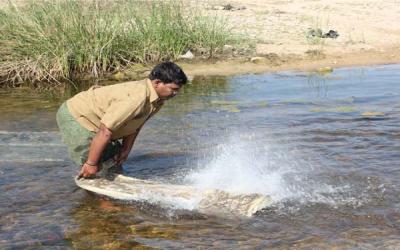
x=284 y=36
x=243 y=65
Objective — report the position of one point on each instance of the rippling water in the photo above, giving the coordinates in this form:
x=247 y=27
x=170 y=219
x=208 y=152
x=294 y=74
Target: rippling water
x=326 y=148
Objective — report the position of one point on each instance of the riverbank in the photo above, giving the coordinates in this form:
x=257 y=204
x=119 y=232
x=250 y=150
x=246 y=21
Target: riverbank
x=286 y=35
x=292 y=62
x=266 y=36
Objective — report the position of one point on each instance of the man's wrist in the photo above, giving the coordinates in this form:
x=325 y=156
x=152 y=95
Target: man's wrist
x=91 y=164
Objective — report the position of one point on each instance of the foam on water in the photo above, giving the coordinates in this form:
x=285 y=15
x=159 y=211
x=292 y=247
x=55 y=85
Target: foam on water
x=242 y=165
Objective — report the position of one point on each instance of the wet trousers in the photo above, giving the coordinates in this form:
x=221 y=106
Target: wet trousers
x=78 y=140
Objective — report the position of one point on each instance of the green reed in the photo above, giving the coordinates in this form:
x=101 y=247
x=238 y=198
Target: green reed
x=48 y=41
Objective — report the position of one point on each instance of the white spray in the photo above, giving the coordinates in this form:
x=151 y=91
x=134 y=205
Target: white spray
x=242 y=165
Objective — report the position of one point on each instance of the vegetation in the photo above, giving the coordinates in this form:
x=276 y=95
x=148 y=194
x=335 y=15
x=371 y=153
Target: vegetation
x=57 y=40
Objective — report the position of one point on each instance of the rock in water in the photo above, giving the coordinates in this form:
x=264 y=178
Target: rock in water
x=324 y=70
x=372 y=114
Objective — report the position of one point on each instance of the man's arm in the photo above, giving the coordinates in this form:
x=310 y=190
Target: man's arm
x=127 y=144
x=99 y=143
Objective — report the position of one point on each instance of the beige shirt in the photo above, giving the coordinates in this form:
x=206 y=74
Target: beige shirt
x=123 y=108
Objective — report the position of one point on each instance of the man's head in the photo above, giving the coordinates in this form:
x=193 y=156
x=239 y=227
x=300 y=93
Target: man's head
x=167 y=78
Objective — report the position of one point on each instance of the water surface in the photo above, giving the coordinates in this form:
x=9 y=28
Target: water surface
x=326 y=148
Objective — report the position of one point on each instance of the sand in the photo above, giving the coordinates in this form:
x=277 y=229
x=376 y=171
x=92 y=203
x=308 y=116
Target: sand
x=369 y=33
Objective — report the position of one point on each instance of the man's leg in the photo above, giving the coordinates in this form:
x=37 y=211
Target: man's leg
x=78 y=140
x=76 y=137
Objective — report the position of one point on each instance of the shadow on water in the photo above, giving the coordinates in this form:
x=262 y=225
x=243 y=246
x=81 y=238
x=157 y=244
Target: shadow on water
x=324 y=147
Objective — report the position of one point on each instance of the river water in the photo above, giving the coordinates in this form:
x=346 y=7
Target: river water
x=324 y=147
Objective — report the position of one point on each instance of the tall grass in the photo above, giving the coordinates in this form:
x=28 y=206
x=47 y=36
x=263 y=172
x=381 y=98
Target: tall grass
x=58 y=39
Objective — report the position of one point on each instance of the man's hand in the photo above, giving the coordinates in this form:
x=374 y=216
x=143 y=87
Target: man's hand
x=99 y=142
x=87 y=171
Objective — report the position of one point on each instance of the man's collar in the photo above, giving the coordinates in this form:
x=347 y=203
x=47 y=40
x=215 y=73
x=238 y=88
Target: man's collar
x=153 y=94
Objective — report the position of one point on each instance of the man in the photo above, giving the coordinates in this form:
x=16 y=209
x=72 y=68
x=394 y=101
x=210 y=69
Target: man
x=93 y=122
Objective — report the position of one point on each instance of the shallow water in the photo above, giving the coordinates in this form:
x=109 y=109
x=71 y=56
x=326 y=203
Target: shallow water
x=326 y=148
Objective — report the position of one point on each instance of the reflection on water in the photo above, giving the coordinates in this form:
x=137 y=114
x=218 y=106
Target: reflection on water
x=325 y=147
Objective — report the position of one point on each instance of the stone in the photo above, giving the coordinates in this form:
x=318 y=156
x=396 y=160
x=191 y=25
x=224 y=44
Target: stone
x=188 y=55
x=218 y=7
x=132 y=75
x=258 y=60
x=227 y=49
x=324 y=70
x=119 y=76
x=373 y=113
x=331 y=34
x=203 y=52
x=228 y=7
x=318 y=33
x=136 y=71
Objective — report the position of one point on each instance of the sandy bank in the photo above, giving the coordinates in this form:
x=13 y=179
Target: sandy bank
x=368 y=34
x=292 y=62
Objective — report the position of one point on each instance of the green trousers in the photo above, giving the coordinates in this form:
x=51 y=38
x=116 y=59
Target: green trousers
x=78 y=140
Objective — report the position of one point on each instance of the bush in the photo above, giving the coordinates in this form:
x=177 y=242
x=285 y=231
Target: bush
x=60 y=39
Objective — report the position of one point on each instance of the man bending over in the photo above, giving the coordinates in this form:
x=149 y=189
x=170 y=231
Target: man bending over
x=93 y=122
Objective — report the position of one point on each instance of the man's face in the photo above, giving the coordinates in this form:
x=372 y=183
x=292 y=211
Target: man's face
x=167 y=90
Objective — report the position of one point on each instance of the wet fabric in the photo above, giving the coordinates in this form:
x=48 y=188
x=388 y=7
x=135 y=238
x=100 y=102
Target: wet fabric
x=78 y=140
x=123 y=108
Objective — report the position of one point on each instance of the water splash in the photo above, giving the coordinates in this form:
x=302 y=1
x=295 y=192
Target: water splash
x=245 y=165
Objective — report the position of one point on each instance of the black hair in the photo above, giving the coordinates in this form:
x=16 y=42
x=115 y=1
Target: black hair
x=168 y=72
